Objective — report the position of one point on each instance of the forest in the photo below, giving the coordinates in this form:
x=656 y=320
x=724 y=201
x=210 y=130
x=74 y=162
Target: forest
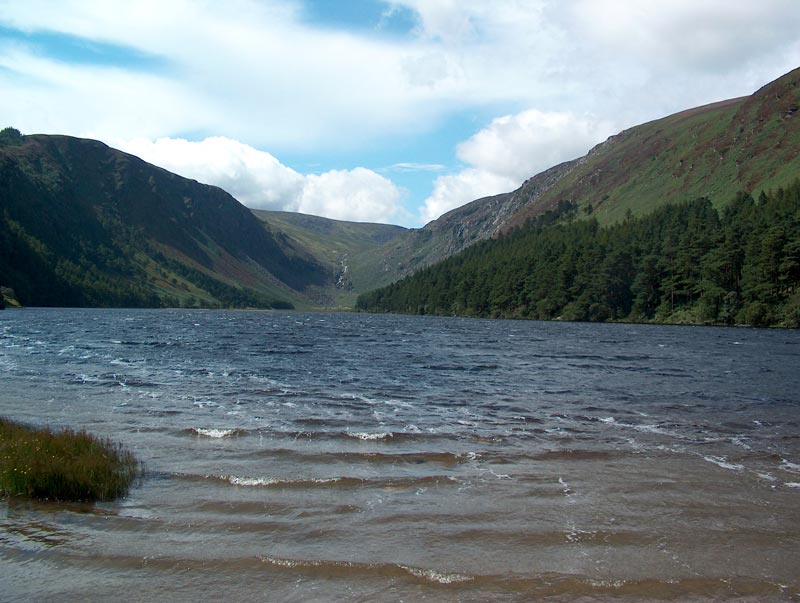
x=685 y=263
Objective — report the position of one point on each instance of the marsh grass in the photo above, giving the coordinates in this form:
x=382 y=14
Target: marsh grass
x=63 y=465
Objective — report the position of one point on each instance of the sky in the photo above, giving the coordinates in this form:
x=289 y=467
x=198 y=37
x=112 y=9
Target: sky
x=374 y=110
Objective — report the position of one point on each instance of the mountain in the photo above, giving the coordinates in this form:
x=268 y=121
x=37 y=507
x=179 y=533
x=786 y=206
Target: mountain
x=452 y=232
x=750 y=143
x=655 y=224
x=82 y=224
x=339 y=245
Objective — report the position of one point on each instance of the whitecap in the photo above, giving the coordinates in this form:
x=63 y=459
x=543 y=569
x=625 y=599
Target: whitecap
x=787 y=466
x=568 y=492
x=608 y=420
x=740 y=441
x=721 y=461
x=792 y=484
x=435 y=576
x=252 y=481
x=370 y=436
x=214 y=433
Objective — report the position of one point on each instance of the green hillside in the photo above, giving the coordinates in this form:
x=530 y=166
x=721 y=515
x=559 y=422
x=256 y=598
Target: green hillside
x=750 y=143
x=341 y=246
x=82 y=224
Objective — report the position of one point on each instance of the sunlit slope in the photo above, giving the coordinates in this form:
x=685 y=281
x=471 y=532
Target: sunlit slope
x=750 y=143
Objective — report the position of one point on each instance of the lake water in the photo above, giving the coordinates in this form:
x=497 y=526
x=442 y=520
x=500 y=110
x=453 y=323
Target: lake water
x=350 y=457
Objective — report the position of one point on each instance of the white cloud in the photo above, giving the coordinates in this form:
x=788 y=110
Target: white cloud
x=255 y=178
x=359 y=195
x=454 y=190
x=519 y=146
x=260 y=181
x=510 y=150
x=250 y=70
x=711 y=36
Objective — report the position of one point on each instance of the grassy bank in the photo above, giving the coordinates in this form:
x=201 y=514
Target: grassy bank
x=62 y=465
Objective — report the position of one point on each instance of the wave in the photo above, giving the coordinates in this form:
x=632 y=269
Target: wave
x=788 y=466
x=401 y=483
x=721 y=461
x=378 y=437
x=337 y=568
x=574 y=455
x=217 y=433
x=366 y=436
x=547 y=585
x=373 y=458
x=540 y=586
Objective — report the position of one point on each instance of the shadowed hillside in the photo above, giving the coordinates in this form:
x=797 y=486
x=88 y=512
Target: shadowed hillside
x=87 y=225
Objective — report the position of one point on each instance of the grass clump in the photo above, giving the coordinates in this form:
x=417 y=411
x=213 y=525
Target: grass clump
x=62 y=465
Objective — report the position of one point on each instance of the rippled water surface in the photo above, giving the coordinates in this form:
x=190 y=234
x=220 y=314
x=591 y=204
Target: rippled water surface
x=346 y=457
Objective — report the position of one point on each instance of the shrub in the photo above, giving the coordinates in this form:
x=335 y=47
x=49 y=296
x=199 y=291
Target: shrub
x=10 y=137
x=62 y=465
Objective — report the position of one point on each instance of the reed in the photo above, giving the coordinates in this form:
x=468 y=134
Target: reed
x=63 y=465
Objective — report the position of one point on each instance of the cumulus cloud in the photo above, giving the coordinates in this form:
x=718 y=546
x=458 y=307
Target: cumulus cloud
x=454 y=190
x=519 y=146
x=260 y=181
x=256 y=178
x=359 y=194
x=511 y=149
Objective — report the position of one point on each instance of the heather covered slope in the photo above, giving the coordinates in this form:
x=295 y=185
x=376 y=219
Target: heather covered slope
x=86 y=225
x=751 y=143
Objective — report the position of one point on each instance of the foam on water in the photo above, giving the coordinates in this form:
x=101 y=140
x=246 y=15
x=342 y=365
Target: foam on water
x=215 y=433
x=436 y=576
x=787 y=466
x=377 y=569
x=721 y=461
x=362 y=435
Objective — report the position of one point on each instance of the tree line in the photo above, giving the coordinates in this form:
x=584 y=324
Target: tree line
x=684 y=263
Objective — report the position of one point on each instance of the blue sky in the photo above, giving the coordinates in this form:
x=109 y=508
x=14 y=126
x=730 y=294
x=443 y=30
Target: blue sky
x=371 y=110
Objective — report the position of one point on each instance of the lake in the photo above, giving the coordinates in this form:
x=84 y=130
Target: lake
x=353 y=457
